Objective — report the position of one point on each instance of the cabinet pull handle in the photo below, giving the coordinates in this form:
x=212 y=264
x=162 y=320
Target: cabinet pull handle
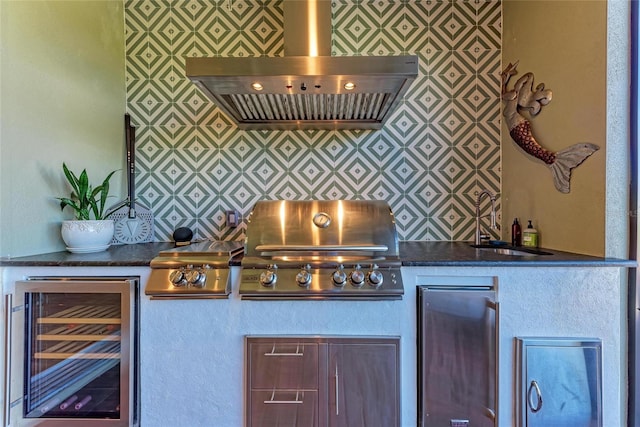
x=8 y=332
x=337 y=393
x=533 y=387
x=285 y=402
x=298 y=353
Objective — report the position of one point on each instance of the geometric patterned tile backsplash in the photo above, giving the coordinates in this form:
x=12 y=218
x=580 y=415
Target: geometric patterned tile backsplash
x=435 y=154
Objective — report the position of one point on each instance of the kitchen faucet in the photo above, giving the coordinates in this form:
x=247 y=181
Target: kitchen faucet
x=479 y=235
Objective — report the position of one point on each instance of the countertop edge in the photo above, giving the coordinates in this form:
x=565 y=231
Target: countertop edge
x=519 y=263
x=412 y=254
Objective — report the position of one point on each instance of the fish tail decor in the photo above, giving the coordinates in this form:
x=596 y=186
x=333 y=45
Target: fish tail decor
x=524 y=97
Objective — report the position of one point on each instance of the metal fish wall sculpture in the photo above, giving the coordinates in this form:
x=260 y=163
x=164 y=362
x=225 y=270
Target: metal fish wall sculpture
x=523 y=96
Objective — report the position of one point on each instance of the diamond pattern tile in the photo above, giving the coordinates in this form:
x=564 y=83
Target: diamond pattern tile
x=440 y=149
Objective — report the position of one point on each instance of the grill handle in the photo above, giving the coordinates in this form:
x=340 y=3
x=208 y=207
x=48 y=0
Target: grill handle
x=280 y=248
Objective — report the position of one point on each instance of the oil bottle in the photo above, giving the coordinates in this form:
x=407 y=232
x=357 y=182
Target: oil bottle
x=516 y=233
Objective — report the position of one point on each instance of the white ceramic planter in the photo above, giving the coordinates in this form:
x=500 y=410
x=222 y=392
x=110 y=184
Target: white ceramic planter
x=87 y=236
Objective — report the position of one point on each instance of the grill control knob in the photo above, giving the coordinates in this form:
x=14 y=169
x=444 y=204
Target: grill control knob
x=304 y=277
x=374 y=276
x=268 y=278
x=339 y=276
x=357 y=277
x=177 y=278
x=196 y=278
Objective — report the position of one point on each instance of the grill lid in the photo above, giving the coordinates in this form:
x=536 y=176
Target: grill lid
x=319 y=228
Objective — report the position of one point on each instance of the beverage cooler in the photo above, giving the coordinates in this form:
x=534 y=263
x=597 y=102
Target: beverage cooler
x=71 y=352
x=457 y=355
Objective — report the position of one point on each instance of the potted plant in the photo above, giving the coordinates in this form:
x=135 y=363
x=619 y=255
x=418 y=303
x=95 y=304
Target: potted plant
x=90 y=231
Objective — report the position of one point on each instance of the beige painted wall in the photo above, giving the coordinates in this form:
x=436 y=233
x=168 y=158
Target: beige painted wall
x=63 y=99
x=563 y=43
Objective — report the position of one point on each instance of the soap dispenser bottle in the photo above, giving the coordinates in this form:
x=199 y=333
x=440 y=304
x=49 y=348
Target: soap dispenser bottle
x=516 y=233
x=530 y=236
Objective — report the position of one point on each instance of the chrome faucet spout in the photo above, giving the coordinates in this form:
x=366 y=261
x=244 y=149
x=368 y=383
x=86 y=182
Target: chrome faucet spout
x=492 y=197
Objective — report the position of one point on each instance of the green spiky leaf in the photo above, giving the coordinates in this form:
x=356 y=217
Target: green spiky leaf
x=85 y=200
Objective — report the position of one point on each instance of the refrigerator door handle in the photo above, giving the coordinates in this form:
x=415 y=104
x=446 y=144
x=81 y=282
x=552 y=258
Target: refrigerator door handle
x=534 y=388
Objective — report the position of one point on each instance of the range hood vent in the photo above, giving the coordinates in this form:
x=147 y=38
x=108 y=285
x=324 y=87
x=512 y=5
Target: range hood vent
x=303 y=91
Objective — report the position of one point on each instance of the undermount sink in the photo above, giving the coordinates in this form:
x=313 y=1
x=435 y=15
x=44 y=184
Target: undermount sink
x=510 y=251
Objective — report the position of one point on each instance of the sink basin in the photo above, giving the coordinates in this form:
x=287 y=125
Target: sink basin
x=507 y=251
x=510 y=251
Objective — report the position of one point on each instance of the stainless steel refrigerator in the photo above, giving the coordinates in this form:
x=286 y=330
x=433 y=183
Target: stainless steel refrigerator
x=457 y=356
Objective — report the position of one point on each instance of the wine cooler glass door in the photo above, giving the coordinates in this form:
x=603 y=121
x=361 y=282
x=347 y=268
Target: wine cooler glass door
x=77 y=350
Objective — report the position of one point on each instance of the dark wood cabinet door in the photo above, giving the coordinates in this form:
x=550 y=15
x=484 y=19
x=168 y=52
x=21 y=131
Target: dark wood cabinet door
x=323 y=381
x=283 y=382
x=283 y=408
x=284 y=364
x=364 y=389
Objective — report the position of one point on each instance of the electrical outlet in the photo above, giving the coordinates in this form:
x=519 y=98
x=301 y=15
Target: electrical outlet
x=232 y=218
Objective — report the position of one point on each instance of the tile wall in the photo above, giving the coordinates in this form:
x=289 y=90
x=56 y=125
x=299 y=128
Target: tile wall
x=441 y=147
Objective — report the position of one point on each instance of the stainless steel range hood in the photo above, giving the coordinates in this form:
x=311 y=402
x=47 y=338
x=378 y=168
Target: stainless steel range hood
x=306 y=88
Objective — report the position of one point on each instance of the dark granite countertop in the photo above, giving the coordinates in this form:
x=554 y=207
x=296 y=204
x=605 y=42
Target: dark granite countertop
x=412 y=254
x=139 y=254
x=462 y=254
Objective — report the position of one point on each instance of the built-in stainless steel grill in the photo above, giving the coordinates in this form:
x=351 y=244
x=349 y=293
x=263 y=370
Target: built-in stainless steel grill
x=199 y=270
x=343 y=249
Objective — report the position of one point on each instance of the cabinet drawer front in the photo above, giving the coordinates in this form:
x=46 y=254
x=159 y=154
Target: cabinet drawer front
x=284 y=365
x=284 y=408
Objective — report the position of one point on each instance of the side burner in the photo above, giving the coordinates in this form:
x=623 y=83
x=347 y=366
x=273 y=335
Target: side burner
x=200 y=270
